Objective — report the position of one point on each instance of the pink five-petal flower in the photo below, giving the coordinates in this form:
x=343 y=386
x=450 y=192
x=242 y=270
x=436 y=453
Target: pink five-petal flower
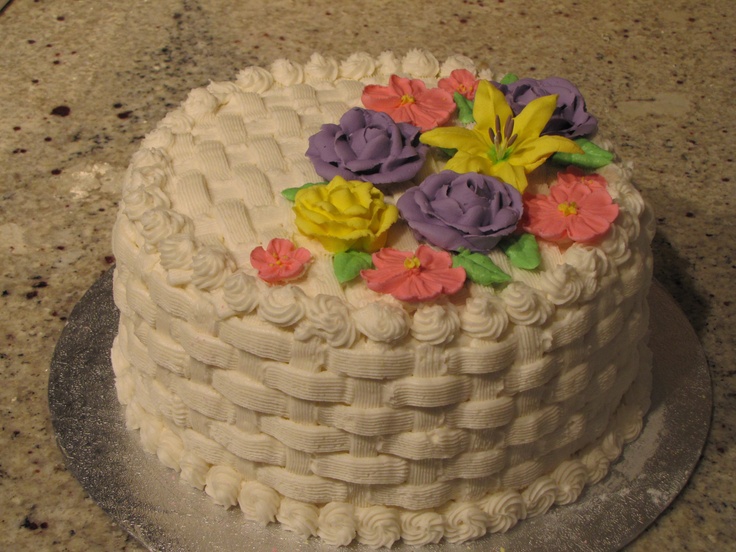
x=574 y=175
x=280 y=261
x=410 y=101
x=461 y=81
x=571 y=212
x=422 y=275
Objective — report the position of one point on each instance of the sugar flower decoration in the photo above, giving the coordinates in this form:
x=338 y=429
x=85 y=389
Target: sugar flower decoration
x=280 y=261
x=344 y=214
x=461 y=211
x=570 y=117
x=573 y=211
x=367 y=145
x=414 y=276
x=410 y=101
x=573 y=175
x=500 y=144
x=461 y=81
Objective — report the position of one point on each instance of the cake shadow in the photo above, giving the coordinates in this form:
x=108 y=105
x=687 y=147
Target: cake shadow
x=676 y=276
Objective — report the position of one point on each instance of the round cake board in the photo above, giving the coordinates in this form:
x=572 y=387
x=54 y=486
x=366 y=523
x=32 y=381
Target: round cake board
x=150 y=502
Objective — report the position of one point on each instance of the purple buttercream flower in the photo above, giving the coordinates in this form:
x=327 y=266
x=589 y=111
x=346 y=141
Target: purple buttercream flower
x=570 y=118
x=369 y=146
x=468 y=210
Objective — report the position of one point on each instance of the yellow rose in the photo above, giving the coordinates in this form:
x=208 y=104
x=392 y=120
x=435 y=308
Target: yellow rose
x=344 y=215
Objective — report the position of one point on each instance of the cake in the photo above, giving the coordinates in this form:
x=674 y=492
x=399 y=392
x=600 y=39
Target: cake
x=383 y=298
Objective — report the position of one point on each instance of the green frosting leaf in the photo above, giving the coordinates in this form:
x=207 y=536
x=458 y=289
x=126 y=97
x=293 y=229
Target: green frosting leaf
x=348 y=264
x=464 y=109
x=522 y=251
x=593 y=158
x=290 y=193
x=508 y=78
x=479 y=268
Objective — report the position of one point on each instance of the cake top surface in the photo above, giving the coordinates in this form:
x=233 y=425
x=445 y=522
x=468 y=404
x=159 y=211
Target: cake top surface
x=381 y=198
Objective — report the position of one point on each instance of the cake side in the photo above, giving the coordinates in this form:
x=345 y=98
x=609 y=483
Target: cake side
x=328 y=407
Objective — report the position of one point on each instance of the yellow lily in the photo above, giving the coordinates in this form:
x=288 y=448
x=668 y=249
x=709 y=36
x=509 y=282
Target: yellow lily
x=500 y=144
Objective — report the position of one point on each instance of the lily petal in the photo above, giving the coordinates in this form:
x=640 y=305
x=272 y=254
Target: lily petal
x=513 y=175
x=535 y=116
x=530 y=154
x=458 y=138
x=489 y=103
x=462 y=162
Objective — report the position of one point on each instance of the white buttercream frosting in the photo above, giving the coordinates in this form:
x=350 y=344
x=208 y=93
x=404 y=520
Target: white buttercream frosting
x=570 y=477
x=465 y=522
x=140 y=198
x=421 y=528
x=312 y=386
x=420 y=63
x=329 y=319
x=282 y=305
x=286 y=72
x=241 y=292
x=210 y=267
x=525 y=305
x=562 y=285
x=358 y=66
x=337 y=525
x=223 y=485
x=200 y=103
x=320 y=68
x=378 y=526
x=194 y=470
x=298 y=517
x=456 y=62
x=259 y=502
x=504 y=510
x=254 y=79
x=540 y=496
x=436 y=324
x=388 y=64
x=484 y=317
x=176 y=251
x=159 y=224
x=170 y=449
x=382 y=322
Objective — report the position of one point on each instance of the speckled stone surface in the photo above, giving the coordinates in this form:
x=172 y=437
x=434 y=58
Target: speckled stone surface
x=84 y=80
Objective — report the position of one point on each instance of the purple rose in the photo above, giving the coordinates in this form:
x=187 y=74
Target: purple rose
x=455 y=211
x=369 y=146
x=570 y=117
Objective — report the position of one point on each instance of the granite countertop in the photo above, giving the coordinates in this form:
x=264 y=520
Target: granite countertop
x=84 y=80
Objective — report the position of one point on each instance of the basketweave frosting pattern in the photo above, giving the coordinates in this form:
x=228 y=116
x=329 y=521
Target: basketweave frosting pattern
x=329 y=395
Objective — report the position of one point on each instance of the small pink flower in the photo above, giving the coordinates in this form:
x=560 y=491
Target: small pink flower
x=461 y=81
x=414 y=276
x=572 y=211
x=574 y=175
x=410 y=101
x=280 y=261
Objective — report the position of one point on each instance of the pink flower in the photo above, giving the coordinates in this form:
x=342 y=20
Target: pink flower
x=414 y=276
x=572 y=211
x=280 y=261
x=461 y=81
x=410 y=101
x=574 y=175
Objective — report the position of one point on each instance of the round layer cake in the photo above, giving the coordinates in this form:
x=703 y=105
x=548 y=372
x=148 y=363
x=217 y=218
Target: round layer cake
x=315 y=339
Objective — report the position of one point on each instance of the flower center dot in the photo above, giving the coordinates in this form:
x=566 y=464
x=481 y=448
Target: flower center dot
x=568 y=208
x=407 y=99
x=412 y=262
